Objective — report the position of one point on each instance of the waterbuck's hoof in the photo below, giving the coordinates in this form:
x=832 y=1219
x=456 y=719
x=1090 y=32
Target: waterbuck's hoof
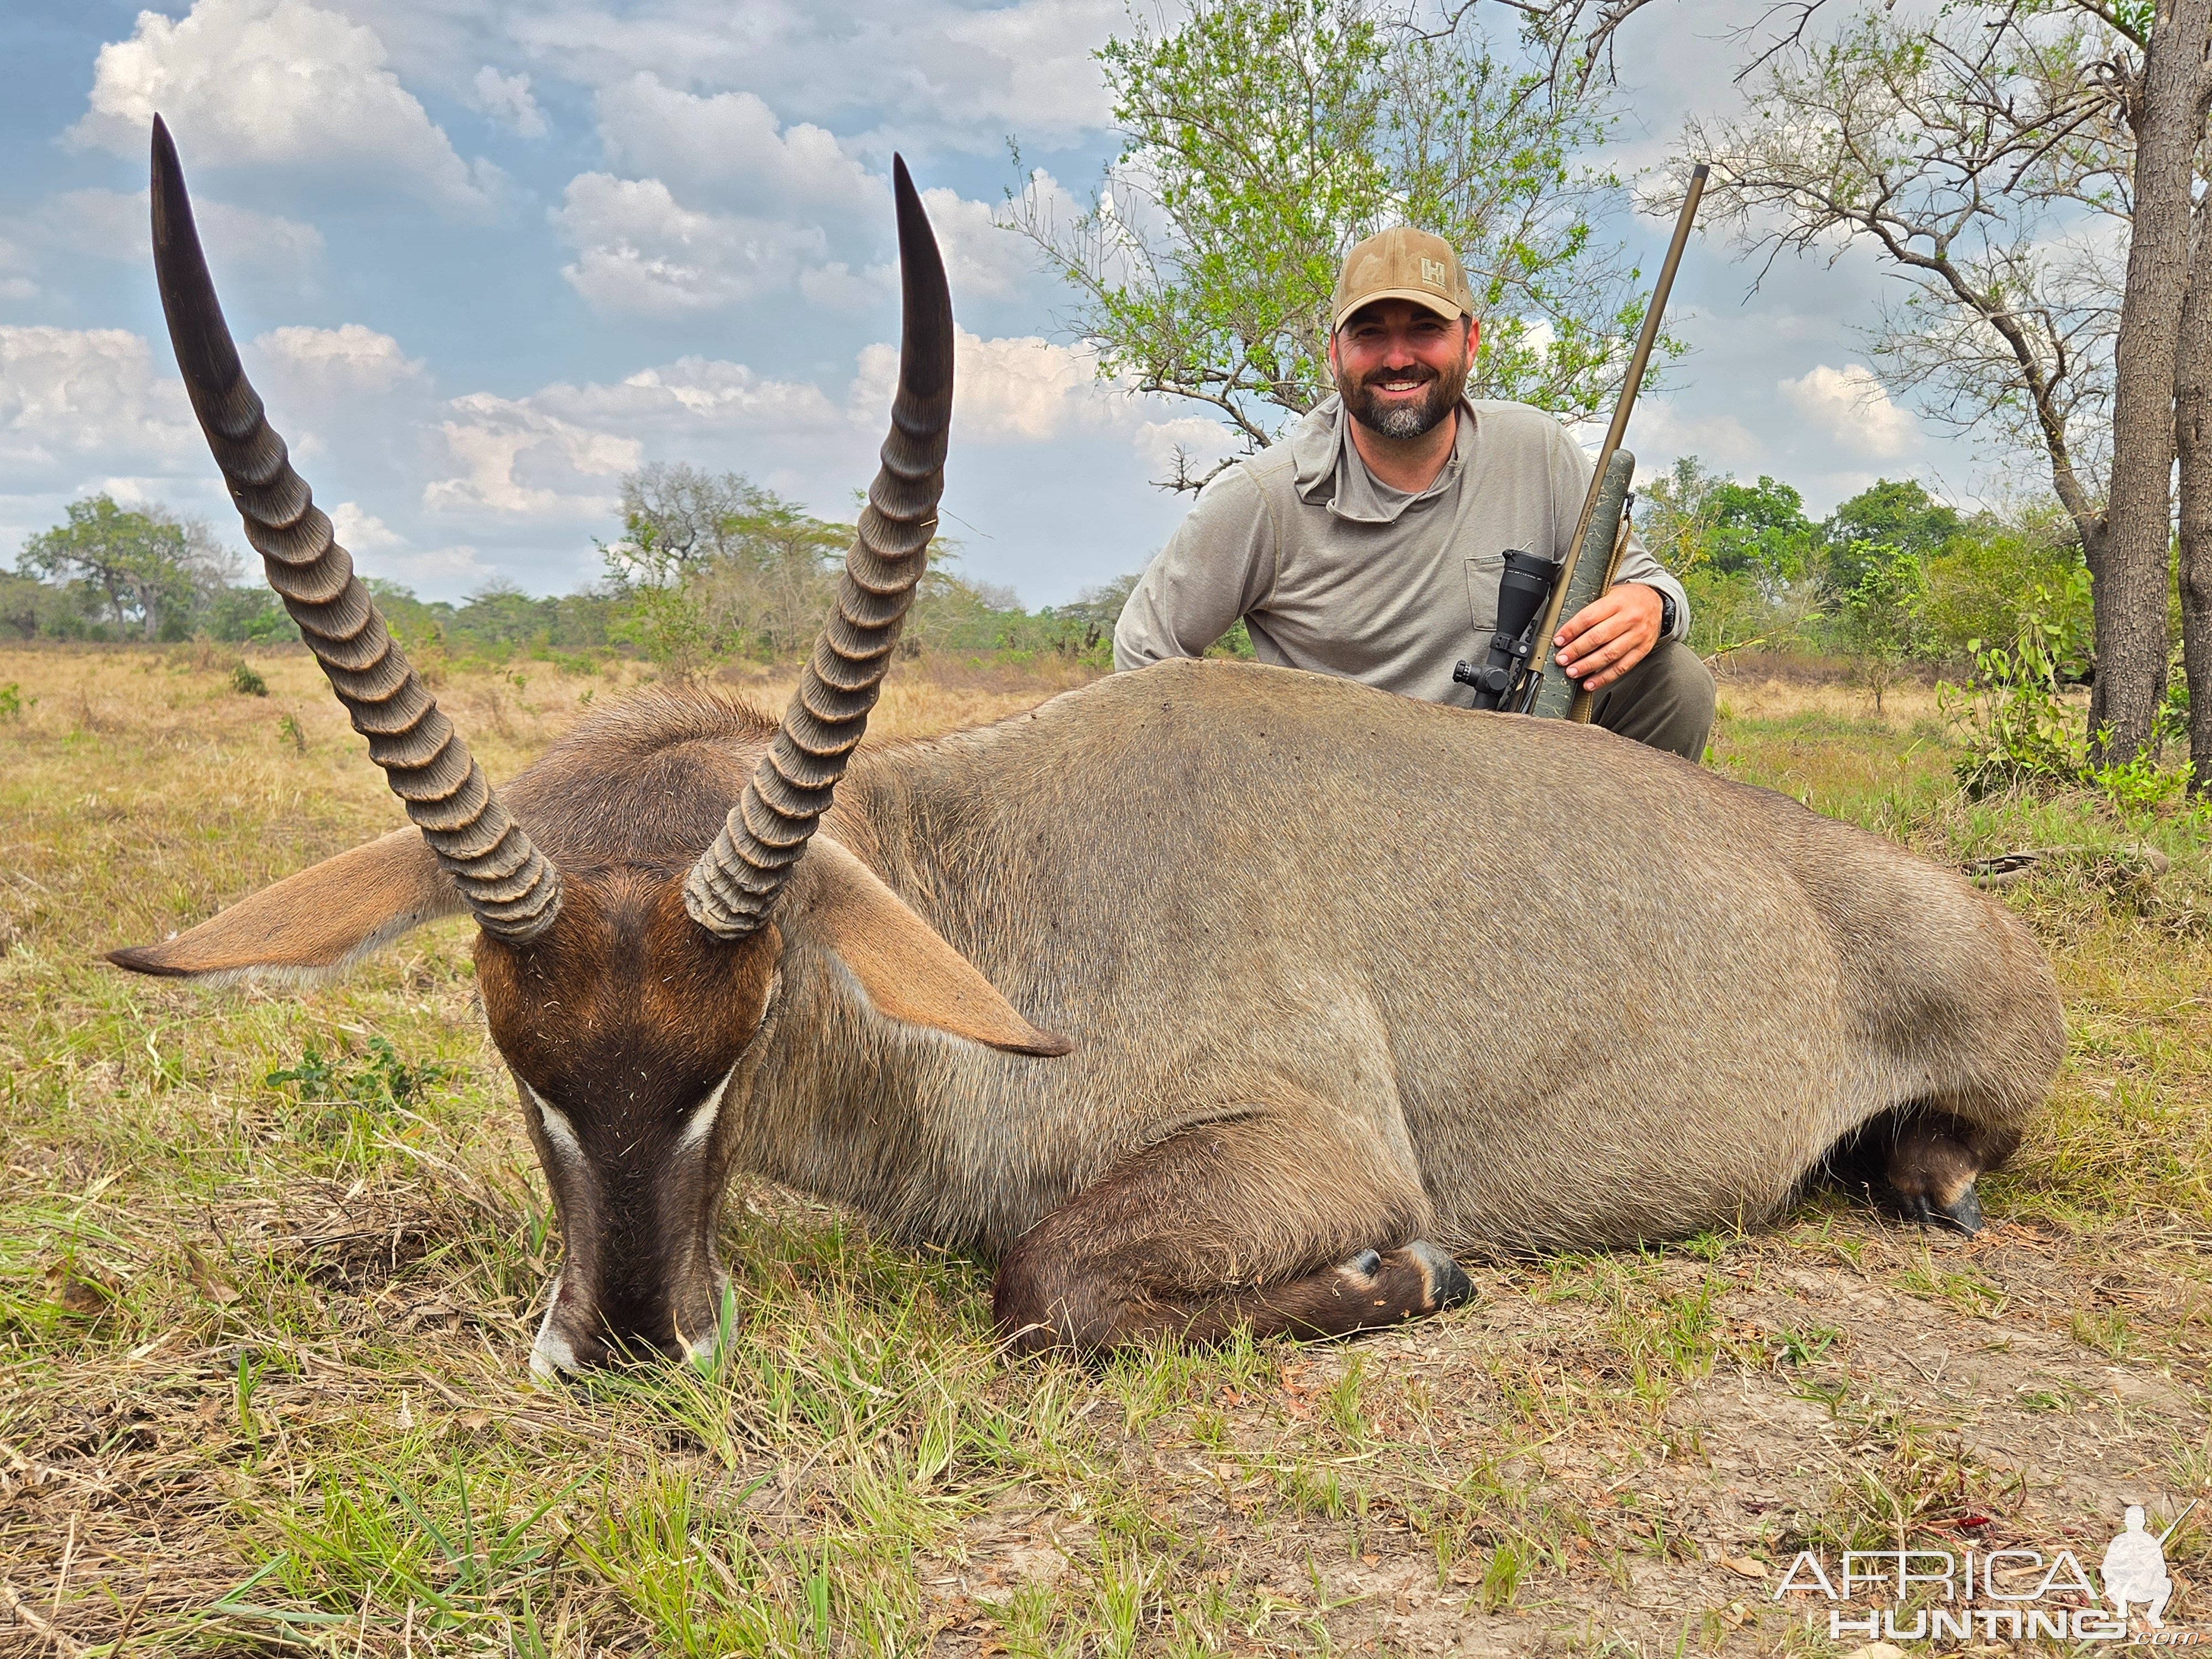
x=1963 y=1214
x=1934 y=1162
x=1448 y=1286
x=1366 y=1264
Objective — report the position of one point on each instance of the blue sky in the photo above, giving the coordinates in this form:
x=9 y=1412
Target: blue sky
x=485 y=256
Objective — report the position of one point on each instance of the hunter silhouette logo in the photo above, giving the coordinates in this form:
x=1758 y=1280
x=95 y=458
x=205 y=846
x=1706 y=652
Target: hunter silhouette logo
x=2000 y=1594
x=2134 y=1569
x=1433 y=273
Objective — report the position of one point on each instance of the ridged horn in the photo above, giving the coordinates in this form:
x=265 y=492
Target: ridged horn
x=735 y=883
x=512 y=887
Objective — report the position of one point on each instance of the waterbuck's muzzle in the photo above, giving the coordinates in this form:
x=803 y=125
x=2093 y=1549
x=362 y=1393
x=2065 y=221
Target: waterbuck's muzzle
x=614 y=1301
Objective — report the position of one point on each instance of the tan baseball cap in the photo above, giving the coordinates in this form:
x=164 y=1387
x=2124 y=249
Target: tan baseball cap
x=1402 y=264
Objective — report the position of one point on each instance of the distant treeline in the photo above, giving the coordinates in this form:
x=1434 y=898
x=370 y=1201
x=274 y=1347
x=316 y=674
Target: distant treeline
x=708 y=567
x=712 y=568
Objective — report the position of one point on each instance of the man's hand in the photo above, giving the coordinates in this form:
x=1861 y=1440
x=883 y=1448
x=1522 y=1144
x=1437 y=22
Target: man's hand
x=1608 y=637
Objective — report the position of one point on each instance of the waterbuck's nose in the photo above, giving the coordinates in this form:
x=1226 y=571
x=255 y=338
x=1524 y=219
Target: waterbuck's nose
x=565 y=1346
x=692 y=1318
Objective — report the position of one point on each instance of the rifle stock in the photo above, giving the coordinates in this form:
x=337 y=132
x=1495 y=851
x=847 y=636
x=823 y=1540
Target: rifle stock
x=1589 y=575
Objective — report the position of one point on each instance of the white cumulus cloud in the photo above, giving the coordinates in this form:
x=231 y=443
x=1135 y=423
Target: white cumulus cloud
x=640 y=253
x=1032 y=64
x=709 y=201
x=361 y=531
x=350 y=360
x=275 y=82
x=1665 y=430
x=514 y=458
x=1020 y=387
x=693 y=393
x=509 y=100
x=349 y=391
x=837 y=287
x=15 y=268
x=377 y=550
x=1850 y=408
x=1198 y=441
x=70 y=397
x=730 y=150
x=561 y=450
x=456 y=568
x=934 y=72
x=982 y=257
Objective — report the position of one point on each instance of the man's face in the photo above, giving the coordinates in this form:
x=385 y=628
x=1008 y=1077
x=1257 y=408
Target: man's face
x=1400 y=367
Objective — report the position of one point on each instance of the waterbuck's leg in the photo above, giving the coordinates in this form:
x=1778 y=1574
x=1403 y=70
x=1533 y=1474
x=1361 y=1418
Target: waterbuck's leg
x=1269 y=1222
x=1924 y=1163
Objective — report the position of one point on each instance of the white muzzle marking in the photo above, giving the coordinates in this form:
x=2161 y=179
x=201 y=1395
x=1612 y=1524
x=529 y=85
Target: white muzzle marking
x=706 y=1354
x=551 y=1356
x=560 y=1133
x=700 y=1124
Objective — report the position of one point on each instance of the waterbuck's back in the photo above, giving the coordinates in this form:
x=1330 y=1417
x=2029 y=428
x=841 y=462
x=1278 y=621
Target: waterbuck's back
x=1590 y=991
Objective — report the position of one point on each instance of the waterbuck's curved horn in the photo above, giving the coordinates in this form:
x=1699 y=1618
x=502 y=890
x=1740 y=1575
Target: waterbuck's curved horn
x=513 y=888
x=732 y=887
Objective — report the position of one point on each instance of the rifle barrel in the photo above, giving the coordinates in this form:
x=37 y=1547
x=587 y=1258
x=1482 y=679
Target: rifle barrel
x=1638 y=361
x=2177 y=1520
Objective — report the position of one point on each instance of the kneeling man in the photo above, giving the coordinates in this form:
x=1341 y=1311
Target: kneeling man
x=1370 y=541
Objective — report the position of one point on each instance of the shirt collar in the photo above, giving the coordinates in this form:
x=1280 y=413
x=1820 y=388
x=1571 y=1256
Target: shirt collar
x=1329 y=470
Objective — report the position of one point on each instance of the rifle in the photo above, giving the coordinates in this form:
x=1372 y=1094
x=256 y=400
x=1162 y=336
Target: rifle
x=1535 y=591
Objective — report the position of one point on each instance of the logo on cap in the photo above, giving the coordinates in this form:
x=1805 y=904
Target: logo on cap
x=1433 y=272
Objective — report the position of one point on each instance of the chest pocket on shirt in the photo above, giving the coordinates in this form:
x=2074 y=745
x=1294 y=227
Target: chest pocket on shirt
x=1485 y=571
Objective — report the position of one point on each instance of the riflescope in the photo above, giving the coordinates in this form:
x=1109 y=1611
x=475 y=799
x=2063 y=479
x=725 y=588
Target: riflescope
x=1523 y=593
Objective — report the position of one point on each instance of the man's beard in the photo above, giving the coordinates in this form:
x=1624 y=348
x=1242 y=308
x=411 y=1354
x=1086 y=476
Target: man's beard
x=1397 y=420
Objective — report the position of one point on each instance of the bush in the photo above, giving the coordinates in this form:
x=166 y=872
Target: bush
x=1974 y=584
x=2018 y=731
x=246 y=682
x=1880 y=619
x=1728 y=612
x=249 y=616
x=2020 y=734
x=31 y=610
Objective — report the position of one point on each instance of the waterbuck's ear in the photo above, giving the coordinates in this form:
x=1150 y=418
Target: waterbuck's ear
x=326 y=918
x=905 y=965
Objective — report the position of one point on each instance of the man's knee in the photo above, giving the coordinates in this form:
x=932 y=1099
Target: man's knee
x=1666 y=701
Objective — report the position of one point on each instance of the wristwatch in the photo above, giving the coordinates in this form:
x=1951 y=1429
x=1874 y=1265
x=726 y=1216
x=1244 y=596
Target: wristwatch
x=1666 y=613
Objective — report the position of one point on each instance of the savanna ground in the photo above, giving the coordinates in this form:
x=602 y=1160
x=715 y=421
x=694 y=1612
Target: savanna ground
x=270 y=1262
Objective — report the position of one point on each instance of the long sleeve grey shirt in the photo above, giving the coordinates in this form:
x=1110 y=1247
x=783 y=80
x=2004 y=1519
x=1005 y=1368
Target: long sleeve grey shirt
x=1336 y=572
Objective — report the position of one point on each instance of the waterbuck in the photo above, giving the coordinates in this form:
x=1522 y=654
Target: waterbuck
x=1210 y=996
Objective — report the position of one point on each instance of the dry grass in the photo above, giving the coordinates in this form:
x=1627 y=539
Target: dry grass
x=262 y=1341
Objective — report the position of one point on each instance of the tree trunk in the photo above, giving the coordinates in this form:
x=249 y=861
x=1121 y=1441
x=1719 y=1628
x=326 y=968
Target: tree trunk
x=143 y=592
x=2127 y=573
x=2192 y=424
